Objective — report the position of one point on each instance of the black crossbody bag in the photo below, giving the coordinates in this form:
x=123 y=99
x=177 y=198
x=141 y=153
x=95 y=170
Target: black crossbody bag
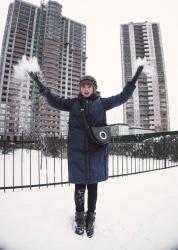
x=100 y=135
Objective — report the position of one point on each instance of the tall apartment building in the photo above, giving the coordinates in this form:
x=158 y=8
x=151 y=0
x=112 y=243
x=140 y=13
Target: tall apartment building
x=148 y=106
x=59 y=43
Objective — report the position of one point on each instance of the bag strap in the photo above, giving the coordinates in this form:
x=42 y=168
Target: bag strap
x=84 y=119
x=82 y=110
x=87 y=127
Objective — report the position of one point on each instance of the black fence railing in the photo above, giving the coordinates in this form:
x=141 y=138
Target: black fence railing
x=133 y=154
x=43 y=162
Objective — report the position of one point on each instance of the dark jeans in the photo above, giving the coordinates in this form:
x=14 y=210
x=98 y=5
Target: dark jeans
x=79 y=196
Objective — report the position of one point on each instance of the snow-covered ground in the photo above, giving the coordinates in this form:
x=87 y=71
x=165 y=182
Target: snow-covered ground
x=138 y=212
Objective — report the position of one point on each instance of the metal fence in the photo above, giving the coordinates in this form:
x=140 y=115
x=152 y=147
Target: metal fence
x=43 y=162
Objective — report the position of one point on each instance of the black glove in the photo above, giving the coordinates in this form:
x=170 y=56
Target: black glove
x=35 y=78
x=137 y=74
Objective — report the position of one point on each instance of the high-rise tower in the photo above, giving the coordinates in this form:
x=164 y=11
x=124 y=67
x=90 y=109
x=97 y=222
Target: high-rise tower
x=148 y=106
x=60 y=46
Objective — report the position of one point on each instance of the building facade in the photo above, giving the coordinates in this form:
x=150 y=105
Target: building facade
x=59 y=44
x=148 y=107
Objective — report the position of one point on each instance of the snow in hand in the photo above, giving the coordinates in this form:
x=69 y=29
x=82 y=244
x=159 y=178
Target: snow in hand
x=24 y=66
x=138 y=212
x=148 y=70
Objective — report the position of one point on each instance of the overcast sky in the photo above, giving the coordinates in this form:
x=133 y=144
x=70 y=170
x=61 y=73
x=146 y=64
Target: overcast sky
x=102 y=19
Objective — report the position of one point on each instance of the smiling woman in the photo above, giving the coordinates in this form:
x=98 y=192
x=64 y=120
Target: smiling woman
x=87 y=162
x=88 y=85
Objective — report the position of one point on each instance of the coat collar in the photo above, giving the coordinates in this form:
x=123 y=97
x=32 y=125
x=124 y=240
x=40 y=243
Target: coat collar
x=92 y=97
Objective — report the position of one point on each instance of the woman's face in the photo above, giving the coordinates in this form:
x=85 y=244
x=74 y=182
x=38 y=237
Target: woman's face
x=86 y=90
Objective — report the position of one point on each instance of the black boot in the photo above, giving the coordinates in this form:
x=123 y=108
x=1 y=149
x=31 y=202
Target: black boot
x=80 y=223
x=90 y=219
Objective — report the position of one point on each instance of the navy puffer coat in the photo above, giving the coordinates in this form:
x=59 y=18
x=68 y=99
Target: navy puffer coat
x=86 y=162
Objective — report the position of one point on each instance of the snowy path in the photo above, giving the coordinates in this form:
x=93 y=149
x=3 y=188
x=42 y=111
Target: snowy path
x=133 y=213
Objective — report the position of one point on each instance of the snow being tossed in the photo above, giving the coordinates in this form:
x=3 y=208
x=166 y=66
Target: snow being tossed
x=143 y=62
x=24 y=66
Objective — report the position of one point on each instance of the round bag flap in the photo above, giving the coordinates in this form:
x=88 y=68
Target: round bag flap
x=102 y=134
